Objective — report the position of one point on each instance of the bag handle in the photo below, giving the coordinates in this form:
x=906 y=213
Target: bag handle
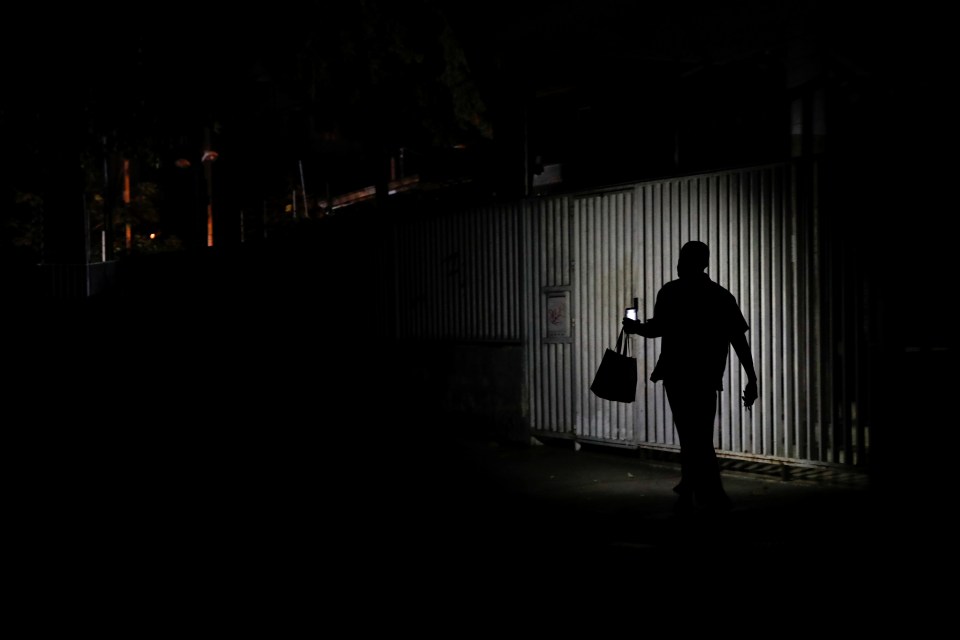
x=623 y=346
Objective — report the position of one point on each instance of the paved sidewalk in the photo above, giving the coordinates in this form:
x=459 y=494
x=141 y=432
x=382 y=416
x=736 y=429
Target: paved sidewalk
x=613 y=500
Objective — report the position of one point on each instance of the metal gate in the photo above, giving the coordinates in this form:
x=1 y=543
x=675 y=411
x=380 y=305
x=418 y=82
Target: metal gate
x=531 y=293
x=589 y=255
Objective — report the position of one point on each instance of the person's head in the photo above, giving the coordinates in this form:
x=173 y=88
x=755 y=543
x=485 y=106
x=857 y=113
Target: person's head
x=694 y=258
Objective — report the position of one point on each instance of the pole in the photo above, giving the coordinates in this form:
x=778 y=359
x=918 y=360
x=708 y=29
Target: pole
x=207 y=163
x=303 y=188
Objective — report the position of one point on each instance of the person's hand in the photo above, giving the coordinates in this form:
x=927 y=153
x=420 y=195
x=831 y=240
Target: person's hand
x=750 y=394
x=631 y=326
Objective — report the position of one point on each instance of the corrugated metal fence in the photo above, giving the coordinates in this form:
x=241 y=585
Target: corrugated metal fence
x=459 y=276
x=556 y=273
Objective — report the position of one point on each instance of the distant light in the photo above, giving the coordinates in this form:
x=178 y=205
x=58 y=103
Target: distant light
x=209 y=156
x=153 y=236
x=182 y=163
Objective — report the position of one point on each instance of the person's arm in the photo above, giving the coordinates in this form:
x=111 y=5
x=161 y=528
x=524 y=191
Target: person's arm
x=750 y=393
x=648 y=329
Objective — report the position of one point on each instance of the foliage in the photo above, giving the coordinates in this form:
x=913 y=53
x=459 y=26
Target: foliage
x=142 y=216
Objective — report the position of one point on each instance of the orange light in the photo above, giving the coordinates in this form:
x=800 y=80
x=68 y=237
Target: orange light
x=126 y=181
x=209 y=225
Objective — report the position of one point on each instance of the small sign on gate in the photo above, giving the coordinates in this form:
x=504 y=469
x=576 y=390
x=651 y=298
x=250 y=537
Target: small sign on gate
x=558 y=314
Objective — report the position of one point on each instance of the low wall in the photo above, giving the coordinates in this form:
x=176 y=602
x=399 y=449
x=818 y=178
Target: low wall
x=478 y=386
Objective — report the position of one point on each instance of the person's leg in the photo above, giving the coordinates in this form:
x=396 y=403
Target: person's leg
x=694 y=413
x=680 y=407
x=709 y=490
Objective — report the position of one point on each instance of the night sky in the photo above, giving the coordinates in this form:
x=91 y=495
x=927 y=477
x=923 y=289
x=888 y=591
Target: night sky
x=154 y=77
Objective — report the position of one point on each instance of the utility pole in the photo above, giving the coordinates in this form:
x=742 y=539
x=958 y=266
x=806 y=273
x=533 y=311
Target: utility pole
x=207 y=160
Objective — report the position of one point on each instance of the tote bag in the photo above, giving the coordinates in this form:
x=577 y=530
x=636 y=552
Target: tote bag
x=616 y=378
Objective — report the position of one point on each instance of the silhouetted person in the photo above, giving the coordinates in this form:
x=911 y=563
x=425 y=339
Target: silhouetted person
x=698 y=320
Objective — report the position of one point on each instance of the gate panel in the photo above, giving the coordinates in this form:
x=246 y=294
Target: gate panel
x=550 y=325
x=626 y=244
x=605 y=251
